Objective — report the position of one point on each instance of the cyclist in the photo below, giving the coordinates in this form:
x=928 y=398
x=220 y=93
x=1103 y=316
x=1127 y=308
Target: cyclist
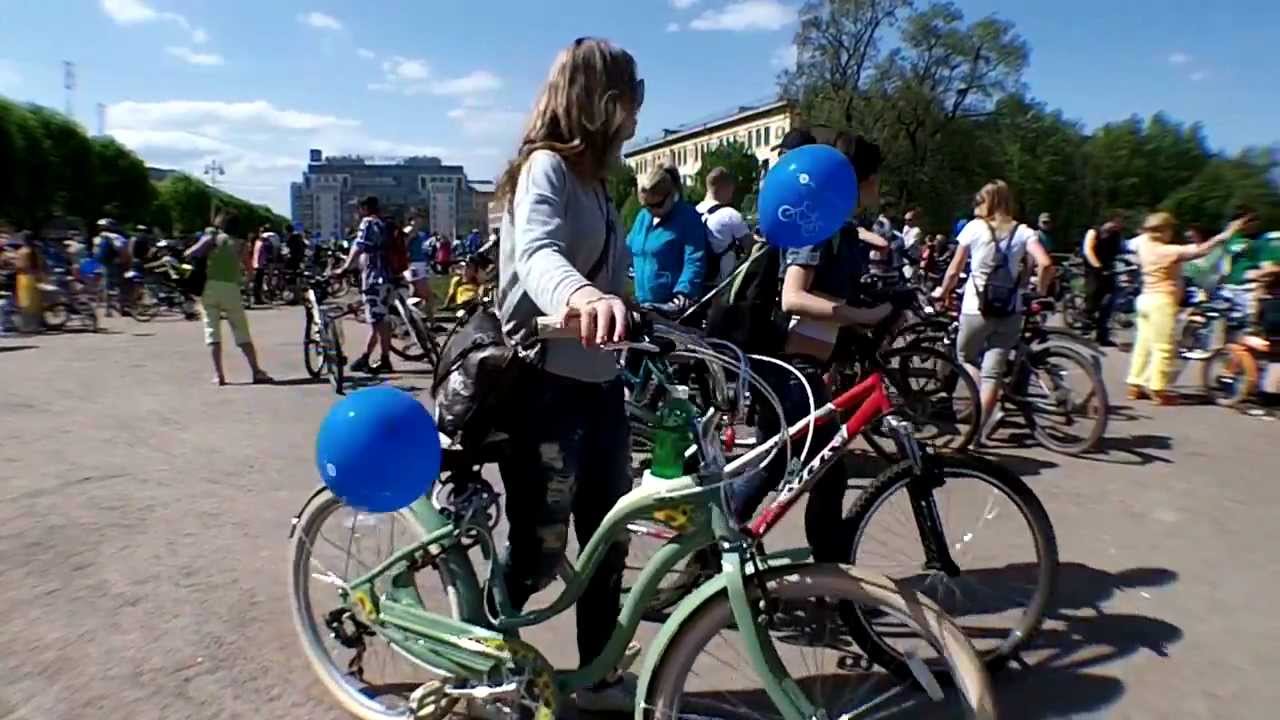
x=1102 y=246
x=375 y=284
x=822 y=295
x=667 y=241
x=110 y=249
x=569 y=453
x=991 y=312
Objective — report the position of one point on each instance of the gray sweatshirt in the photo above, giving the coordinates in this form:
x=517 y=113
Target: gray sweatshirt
x=552 y=234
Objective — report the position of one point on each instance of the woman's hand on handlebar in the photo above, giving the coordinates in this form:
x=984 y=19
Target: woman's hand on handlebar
x=602 y=319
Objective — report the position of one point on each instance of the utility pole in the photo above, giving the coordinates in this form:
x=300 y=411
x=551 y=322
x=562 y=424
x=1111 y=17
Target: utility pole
x=102 y=119
x=69 y=84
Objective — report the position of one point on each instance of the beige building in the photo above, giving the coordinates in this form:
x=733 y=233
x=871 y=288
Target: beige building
x=759 y=127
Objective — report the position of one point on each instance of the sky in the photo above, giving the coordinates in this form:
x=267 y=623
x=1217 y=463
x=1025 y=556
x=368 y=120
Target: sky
x=256 y=84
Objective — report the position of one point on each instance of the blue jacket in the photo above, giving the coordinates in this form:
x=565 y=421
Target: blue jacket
x=668 y=257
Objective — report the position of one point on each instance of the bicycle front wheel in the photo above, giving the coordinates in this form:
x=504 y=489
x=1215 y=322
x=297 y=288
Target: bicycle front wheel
x=706 y=672
x=1064 y=400
x=409 y=337
x=990 y=559
x=333 y=544
x=932 y=391
x=313 y=354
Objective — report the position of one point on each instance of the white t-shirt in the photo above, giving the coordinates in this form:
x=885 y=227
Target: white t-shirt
x=976 y=236
x=725 y=227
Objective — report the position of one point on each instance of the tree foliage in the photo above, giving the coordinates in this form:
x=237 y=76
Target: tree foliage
x=947 y=104
x=621 y=184
x=52 y=169
x=742 y=165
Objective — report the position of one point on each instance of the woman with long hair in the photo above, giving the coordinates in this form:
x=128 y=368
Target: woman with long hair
x=561 y=255
x=1161 y=261
x=991 y=311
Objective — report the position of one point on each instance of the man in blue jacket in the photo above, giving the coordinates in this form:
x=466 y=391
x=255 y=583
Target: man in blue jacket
x=667 y=243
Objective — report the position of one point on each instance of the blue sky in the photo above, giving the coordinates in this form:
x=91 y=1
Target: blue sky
x=257 y=83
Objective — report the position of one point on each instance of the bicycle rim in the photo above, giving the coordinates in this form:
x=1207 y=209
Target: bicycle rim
x=935 y=394
x=333 y=544
x=706 y=671
x=406 y=341
x=1064 y=400
x=313 y=355
x=996 y=532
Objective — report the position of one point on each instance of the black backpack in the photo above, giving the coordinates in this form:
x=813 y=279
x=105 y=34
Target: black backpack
x=998 y=296
x=751 y=317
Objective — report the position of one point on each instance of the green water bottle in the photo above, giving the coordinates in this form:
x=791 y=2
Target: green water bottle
x=673 y=435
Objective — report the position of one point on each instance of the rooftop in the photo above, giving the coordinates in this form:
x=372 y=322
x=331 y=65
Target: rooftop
x=704 y=123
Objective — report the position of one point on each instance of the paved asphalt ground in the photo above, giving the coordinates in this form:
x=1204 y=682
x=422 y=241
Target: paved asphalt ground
x=144 y=513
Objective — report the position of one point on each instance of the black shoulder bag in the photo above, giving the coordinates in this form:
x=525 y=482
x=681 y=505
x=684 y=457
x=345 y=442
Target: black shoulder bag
x=479 y=364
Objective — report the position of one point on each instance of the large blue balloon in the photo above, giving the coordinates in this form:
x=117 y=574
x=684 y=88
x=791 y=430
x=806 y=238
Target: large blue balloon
x=378 y=449
x=807 y=196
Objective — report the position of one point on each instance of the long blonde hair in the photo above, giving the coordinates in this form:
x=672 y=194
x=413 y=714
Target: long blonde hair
x=581 y=112
x=997 y=199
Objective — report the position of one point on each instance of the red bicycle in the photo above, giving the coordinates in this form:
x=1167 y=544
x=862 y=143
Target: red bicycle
x=994 y=573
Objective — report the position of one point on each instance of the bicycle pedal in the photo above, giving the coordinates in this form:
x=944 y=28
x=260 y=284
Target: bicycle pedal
x=629 y=657
x=432 y=701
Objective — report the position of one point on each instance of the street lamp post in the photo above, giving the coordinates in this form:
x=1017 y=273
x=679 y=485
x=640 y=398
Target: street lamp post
x=213 y=170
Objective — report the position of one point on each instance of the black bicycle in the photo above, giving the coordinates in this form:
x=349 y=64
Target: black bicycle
x=322 y=334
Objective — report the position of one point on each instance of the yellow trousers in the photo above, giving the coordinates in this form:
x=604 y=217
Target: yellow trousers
x=1155 y=349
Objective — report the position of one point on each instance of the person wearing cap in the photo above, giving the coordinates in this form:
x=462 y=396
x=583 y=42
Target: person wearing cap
x=668 y=243
x=1154 y=348
x=1044 y=232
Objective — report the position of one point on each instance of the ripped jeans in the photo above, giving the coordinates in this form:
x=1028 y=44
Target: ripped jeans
x=570 y=456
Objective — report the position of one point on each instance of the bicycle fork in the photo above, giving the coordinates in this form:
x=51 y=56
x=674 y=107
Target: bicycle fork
x=924 y=507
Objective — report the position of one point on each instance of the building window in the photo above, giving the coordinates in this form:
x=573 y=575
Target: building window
x=767 y=140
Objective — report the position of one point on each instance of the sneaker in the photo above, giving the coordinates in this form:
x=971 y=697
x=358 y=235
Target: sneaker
x=609 y=696
x=383 y=367
x=1137 y=392
x=361 y=364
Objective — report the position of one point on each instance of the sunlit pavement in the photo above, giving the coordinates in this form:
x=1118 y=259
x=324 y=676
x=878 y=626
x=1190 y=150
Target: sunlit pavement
x=145 y=512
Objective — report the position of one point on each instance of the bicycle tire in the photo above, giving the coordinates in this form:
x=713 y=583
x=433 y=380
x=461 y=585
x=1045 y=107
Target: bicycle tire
x=55 y=316
x=312 y=636
x=1239 y=366
x=848 y=586
x=426 y=351
x=854 y=526
x=334 y=360
x=1097 y=392
x=912 y=408
x=144 y=309
x=311 y=359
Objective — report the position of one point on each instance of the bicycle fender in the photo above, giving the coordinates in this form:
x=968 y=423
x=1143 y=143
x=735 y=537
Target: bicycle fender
x=297 y=517
x=694 y=601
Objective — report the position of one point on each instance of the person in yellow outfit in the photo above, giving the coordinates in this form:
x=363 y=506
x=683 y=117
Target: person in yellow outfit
x=220 y=251
x=464 y=288
x=1161 y=260
x=29 y=268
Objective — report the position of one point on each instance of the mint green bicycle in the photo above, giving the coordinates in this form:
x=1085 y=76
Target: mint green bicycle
x=397 y=623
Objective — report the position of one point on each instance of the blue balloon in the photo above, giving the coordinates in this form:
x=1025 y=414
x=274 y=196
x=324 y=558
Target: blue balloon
x=807 y=196
x=378 y=449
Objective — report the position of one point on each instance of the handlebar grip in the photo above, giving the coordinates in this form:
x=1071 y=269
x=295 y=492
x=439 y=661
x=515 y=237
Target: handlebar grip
x=551 y=327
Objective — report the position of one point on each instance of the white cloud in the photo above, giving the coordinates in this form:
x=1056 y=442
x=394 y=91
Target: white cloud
x=10 y=78
x=135 y=12
x=673 y=27
x=479 y=81
x=746 y=15
x=479 y=122
x=365 y=53
x=195 y=58
x=1199 y=75
x=1179 y=58
x=784 y=58
x=683 y=4
x=320 y=21
x=182 y=114
x=262 y=146
x=405 y=69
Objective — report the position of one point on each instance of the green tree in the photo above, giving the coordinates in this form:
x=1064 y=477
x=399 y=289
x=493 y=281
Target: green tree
x=739 y=161
x=630 y=209
x=122 y=187
x=621 y=184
